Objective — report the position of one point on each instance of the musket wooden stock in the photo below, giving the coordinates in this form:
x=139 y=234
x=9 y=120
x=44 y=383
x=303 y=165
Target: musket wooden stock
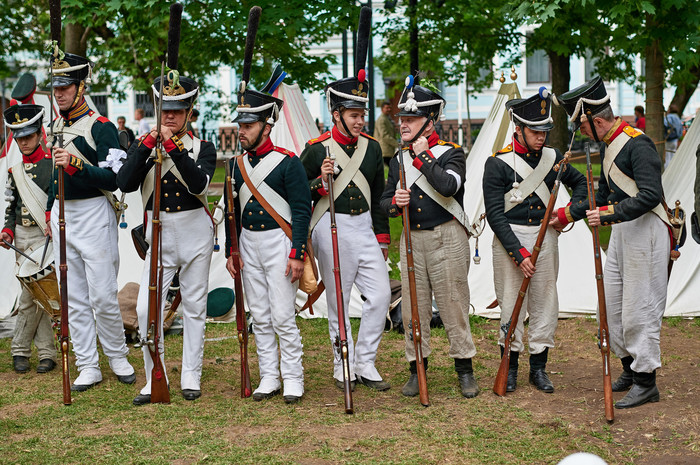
x=603 y=333
x=500 y=384
x=159 y=383
x=241 y=322
x=415 y=316
x=342 y=339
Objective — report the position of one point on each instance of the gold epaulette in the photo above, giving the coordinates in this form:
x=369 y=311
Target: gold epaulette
x=284 y=151
x=320 y=138
x=632 y=132
x=368 y=136
x=444 y=142
x=508 y=148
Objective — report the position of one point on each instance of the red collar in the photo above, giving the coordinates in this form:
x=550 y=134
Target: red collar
x=433 y=140
x=518 y=147
x=616 y=131
x=263 y=149
x=37 y=155
x=341 y=138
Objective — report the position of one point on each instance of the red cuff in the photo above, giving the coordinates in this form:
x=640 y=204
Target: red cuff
x=384 y=238
x=322 y=190
x=149 y=141
x=523 y=251
x=48 y=216
x=561 y=214
x=169 y=145
x=10 y=232
x=70 y=170
x=417 y=163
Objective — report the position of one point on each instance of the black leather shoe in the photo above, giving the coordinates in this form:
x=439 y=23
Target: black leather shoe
x=291 y=399
x=410 y=389
x=142 y=399
x=340 y=385
x=541 y=381
x=380 y=385
x=45 y=365
x=127 y=379
x=20 y=364
x=512 y=383
x=82 y=387
x=258 y=396
x=639 y=395
x=623 y=382
x=468 y=385
x=191 y=394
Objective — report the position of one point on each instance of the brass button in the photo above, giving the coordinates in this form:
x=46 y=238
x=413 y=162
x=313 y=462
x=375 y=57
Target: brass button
x=418 y=225
x=261 y=212
x=55 y=182
x=167 y=209
x=176 y=181
x=419 y=210
x=250 y=201
x=615 y=203
x=165 y=195
x=530 y=220
x=539 y=207
x=250 y=213
x=165 y=181
x=262 y=226
x=359 y=196
x=352 y=198
x=251 y=226
x=531 y=207
x=420 y=196
x=360 y=210
x=179 y=207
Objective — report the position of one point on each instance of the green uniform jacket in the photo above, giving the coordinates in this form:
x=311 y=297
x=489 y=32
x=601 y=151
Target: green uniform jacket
x=385 y=133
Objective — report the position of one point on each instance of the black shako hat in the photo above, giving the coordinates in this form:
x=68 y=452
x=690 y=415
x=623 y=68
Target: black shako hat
x=24 y=120
x=585 y=100
x=534 y=112
x=420 y=101
x=179 y=92
x=261 y=106
x=68 y=69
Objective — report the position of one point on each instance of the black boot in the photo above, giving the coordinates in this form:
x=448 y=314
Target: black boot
x=538 y=372
x=465 y=374
x=512 y=382
x=20 y=363
x=643 y=390
x=410 y=389
x=624 y=382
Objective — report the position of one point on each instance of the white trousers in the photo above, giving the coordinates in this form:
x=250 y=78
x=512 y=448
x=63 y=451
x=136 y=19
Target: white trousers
x=33 y=323
x=541 y=300
x=271 y=296
x=361 y=263
x=187 y=242
x=636 y=276
x=92 y=256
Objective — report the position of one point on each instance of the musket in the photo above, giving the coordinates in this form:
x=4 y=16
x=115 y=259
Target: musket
x=55 y=18
x=241 y=322
x=341 y=340
x=415 y=316
x=499 y=386
x=603 y=333
x=159 y=383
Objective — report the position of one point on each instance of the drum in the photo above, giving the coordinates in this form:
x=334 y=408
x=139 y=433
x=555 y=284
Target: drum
x=41 y=282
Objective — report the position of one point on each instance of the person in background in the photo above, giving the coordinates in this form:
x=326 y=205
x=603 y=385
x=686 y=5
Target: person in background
x=385 y=133
x=121 y=127
x=144 y=127
x=639 y=119
x=193 y=119
x=673 y=131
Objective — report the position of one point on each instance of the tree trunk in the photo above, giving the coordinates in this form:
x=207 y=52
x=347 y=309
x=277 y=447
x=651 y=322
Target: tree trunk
x=685 y=91
x=654 y=93
x=74 y=42
x=561 y=75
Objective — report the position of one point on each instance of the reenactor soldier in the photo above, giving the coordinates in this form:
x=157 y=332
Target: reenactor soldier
x=517 y=184
x=86 y=145
x=187 y=234
x=435 y=172
x=363 y=228
x=636 y=267
x=25 y=224
x=273 y=190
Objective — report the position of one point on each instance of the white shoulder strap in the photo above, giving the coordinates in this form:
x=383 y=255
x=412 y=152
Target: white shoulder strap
x=257 y=176
x=532 y=178
x=33 y=197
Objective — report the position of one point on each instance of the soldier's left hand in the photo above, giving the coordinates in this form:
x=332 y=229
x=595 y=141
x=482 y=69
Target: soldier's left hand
x=555 y=223
x=61 y=157
x=402 y=197
x=385 y=253
x=296 y=267
x=420 y=145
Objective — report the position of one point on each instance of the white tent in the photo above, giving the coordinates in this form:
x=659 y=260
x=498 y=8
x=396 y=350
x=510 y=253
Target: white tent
x=576 y=283
x=684 y=284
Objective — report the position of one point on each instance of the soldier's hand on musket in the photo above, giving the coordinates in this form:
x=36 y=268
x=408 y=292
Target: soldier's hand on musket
x=295 y=267
x=327 y=168
x=5 y=237
x=229 y=265
x=555 y=223
x=402 y=197
x=421 y=145
x=61 y=157
x=527 y=267
x=165 y=131
x=593 y=217
x=385 y=253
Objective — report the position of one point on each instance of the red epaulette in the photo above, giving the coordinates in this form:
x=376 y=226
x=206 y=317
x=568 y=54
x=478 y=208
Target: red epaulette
x=508 y=148
x=368 y=136
x=320 y=138
x=102 y=119
x=284 y=151
x=444 y=142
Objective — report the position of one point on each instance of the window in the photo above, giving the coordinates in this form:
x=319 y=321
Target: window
x=144 y=101
x=538 y=67
x=100 y=102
